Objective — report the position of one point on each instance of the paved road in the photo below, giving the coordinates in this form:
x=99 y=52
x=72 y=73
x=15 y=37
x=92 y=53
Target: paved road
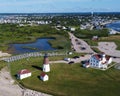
x=77 y=60
x=79 y=45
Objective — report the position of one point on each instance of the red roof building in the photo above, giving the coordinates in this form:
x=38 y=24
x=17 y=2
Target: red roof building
x=44 y=77
x=24 y=71
x=23 y=74
x=100 y=61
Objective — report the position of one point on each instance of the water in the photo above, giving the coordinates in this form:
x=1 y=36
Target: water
x=39 y=45
x=114 y=25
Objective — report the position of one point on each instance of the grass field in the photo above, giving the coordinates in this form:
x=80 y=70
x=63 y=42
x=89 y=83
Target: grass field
x=69 y=80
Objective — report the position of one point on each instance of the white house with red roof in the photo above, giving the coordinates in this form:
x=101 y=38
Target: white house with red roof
x=46 y=65
x=44 y=77
x=23 y=74
x=100 y=61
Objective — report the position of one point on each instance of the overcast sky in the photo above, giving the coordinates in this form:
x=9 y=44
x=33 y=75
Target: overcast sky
x=44 y=6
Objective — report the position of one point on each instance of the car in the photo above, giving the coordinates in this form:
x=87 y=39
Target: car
x=82 y=55
x=71 y=62
x=83 y=48
x=114 y=57
x=75 y=57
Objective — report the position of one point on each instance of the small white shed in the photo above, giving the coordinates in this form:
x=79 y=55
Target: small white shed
x=44 y=77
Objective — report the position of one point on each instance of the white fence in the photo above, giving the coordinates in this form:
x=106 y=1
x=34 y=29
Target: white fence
x=34 y=54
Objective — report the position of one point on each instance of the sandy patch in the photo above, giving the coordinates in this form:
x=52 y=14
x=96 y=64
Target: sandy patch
x=4 y=54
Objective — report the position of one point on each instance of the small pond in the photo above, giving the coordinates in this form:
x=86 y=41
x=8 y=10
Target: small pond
x=40 y=44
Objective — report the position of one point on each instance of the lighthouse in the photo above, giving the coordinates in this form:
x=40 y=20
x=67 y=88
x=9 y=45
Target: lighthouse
x=46 y=66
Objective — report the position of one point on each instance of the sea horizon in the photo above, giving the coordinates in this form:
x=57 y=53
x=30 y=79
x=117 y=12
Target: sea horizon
x=37 y=13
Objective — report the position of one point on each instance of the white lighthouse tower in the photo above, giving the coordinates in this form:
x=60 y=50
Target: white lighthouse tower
x=46 y=65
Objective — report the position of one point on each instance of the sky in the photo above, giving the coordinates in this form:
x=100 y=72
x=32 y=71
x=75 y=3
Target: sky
x=53 y=6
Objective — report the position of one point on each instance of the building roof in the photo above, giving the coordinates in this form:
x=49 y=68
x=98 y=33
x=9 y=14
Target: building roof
x=42 y=74
x=100 y=56
x=107 y=57
x=24 y=71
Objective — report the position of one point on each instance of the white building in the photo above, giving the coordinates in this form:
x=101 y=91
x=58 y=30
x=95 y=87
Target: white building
x=100 y=61
x=44 y=77
x=72 y=29
x=23 y=74
x=46 y=65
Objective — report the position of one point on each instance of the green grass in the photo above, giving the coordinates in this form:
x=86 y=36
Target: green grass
x=69 y=80
x=2 y=64
x=96 y=50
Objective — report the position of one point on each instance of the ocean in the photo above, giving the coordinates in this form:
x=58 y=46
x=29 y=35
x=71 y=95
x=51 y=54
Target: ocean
x=114 y=26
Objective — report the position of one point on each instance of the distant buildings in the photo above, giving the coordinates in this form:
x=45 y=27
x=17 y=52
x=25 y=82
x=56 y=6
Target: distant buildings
x=72 y=29
x=95 y=38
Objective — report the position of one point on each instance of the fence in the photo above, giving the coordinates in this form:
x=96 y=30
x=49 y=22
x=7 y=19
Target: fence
x=33 y=54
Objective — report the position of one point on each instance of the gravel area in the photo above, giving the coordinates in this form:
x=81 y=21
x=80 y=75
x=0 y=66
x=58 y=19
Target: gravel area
x=109 y=48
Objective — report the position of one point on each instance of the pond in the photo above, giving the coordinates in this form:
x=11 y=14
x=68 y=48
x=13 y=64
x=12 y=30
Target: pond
x=40 y=44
